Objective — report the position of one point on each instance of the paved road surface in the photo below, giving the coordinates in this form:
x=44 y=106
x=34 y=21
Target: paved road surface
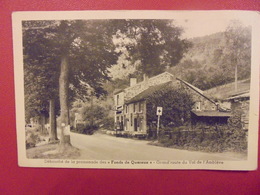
x=105 y=147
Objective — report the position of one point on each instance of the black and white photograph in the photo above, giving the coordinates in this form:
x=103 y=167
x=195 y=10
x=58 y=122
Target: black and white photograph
x=137 y=89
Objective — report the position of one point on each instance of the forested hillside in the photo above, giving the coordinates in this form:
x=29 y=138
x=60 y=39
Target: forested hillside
x=212 y=60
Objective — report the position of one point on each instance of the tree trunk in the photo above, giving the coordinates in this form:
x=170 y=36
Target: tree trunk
x=63 y=92
x=236 y=78
x=53 y=129
x=43 y=121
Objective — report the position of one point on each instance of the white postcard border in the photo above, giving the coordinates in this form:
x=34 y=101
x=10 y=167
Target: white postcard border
x=249 y=164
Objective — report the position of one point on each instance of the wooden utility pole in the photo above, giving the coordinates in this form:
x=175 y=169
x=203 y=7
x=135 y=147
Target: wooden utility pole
x=158 y=125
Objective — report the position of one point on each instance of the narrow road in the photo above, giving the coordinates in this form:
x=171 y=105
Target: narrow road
x=104 y=147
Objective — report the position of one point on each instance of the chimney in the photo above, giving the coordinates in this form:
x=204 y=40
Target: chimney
x=145 y=77
x=133 y=81
x=167 y=67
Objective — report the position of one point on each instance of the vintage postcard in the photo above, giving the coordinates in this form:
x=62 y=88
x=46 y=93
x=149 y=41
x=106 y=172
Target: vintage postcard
x=137 y=89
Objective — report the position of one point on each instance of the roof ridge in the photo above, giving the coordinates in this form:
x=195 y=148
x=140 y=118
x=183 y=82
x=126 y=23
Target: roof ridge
x=197 y=90
x=149 y=79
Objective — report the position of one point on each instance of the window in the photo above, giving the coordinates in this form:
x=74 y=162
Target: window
x=134 y=107
x=141 y=125
x=141 y=107
x=131 y=119
x=117 y=100
x=122 y=123
x=126 y=109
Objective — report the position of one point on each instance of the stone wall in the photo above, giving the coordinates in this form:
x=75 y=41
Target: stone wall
x=243 y=107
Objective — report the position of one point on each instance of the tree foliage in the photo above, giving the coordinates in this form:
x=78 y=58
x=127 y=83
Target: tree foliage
x=156 y=44
x=239 y=48
x=176 y=104
x=88 y=46
x=95 y=113
x=212 y=59
x=41 y=69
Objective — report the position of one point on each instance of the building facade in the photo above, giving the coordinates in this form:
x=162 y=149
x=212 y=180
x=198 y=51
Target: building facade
x=130 y=116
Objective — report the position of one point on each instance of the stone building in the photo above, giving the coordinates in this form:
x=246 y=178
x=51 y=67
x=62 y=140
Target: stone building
x=131 y=111
x=131 y=116
x=240 y=103
x=236 y=99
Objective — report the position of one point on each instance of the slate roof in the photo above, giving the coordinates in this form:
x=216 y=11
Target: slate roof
x=245 y=94
x=227 y=90
x=212 y=113
x=148 y=92
x=116 y=91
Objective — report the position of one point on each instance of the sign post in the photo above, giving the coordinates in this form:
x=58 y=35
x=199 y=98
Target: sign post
x=158 y=113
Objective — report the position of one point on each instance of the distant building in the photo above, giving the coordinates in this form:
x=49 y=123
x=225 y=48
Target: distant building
x=235 y=100
x=78 y=120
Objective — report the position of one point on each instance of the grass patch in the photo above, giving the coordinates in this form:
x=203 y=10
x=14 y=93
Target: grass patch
x=50 y=151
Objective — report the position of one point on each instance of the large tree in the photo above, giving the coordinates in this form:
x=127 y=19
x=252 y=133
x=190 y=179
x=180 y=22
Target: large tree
x=40 y=76
x=40 y=97
x=81 y=51
x=239 y=49
x=155 y=44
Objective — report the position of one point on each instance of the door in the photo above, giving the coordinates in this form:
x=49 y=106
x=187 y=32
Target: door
x=135 y=124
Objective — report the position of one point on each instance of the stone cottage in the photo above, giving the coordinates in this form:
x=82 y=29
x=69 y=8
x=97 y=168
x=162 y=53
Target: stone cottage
x=131 y=116
x=236 y=99
x=131 y=111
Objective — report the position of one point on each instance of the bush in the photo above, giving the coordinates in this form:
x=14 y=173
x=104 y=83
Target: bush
x=80 y=128
x=86 y=129
x=90 y=129
x=33 y=137
x=216 y=138
x=107 y=123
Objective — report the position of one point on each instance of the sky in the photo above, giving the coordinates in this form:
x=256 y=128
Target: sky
x=197 y=24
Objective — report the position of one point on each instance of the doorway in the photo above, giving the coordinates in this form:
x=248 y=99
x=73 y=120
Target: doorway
x=135 y=124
